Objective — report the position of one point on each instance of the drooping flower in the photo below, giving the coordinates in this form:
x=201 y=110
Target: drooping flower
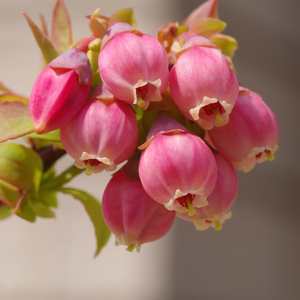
x=202 y=83
x=219 y=201
x=176 y=168
x=102 y=135
x=129 y=212
x=60 y=91
x=251 y=135
x=133 y=66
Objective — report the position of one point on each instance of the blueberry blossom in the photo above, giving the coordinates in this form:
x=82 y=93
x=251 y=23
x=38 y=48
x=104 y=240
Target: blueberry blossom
x=133 y=66
x=176 y=168
x=129 y=212
x=202 y=84
x=251 y=135
x=102 y=135
x=60 y=91
x=219 y=201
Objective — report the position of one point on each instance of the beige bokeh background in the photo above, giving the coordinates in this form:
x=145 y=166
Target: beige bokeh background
x=255 y=256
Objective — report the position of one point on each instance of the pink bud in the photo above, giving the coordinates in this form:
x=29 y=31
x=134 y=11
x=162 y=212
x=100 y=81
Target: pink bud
x=102 y=135
x=134 y=67
x=202 y=84
x=251 y=135
x=219 y=201
x=176 y=168
x=130 y=213
x=60 y=91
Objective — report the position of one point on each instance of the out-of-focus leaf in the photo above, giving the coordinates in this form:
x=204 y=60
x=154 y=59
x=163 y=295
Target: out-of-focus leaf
x=48 y=198
x=226 y=43
x=42 y=210
x=207 y=27
x=5 y=211
x=61 y=31
x=12 y=97
x=3 y=88
x=206 y=10
x=93 y=208
x=53 y=136
x=123 y=15
x=43 y=25
x=9 y=194
x=47 y=48
x=98 y=27
x=61 y=179
x=20 y=167
x=15 y=120
x=25 y=210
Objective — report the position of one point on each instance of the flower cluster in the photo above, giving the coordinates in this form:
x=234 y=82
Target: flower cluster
x=172 y=106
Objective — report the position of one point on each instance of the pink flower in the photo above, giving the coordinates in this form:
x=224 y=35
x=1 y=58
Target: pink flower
x=176 y=168
x=60 y=91
x=219 y=201
x=202 y=84
x=251 y=135
x=134 y=67
x=130 y=213
x=102 y=135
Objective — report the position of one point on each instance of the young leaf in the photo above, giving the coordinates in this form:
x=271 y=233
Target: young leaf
x=226 y=43
x=93 y=208
x=25 y=210
x=47 y=48
x=61 y=33
x=20 y=167
x=5 y=211
x=123 y=15
x=15 y=120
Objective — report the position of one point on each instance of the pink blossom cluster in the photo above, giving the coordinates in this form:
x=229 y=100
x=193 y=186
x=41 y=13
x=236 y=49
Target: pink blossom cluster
x=172 y=107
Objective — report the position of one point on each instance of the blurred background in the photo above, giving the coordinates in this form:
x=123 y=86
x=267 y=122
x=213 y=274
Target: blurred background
x=255 y=256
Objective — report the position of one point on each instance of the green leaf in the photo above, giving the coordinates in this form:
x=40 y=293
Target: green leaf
x=42 y=210
x=226 y=43
x=5 y=211
x=12 y=97
x=207 y=27
x=123 y=15
x=61 y=33
x=93 y=208
x=47 y=48
x=15 y=120
x=20 y=167
x=9 y=194
x=53 y=136
x=48 y=198
x=61 y=179
x=25 y=210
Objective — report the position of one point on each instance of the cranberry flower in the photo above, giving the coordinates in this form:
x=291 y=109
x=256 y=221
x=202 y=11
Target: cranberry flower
x=102 y=135
x=133 y=66
x=176 y=168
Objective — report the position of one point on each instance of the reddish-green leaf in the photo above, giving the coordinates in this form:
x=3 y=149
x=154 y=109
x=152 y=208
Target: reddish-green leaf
x=226 y=43
x=123 y=15
x=47 y=48
x=12 y=97
x=207 y=27
x=15 y=120
x=61 y=31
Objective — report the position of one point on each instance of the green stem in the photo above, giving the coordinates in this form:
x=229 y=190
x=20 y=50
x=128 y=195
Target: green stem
x=62 y=179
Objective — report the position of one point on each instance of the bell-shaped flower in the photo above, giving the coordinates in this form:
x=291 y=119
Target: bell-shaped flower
x=251 y=135
x=133 y=66
x=102 y=135
x=219 y=201
x=129 y=212
x=176 y=168
x=202 y=84
x=60 y=91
